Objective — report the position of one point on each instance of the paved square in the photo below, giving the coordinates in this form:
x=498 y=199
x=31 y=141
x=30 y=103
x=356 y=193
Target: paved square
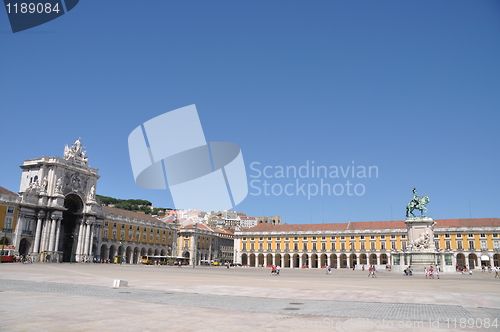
x=80 y=297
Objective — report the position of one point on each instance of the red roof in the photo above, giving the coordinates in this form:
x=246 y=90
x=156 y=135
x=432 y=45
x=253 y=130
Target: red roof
x=129 y=214
x=198 y=226
x=295 y=227
x=494 y=222
x=7 y=192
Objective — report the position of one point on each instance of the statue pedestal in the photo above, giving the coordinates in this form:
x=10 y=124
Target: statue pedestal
x=420 y=234
x=422 y=259
x=421 y=248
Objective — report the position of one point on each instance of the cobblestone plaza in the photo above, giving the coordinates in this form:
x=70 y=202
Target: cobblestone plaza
x=80 y=297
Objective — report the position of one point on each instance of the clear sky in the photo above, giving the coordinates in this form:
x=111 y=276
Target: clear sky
x=412 y=88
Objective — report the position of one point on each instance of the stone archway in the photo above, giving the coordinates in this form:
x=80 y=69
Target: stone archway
x=128 y=255
x=244 y=259
x=383 y=259
x=94 y=252
x=324 y=260
x=343 y=261
x=112 y=253
x=363 y=259
x=296 y=262
x=286 y=260
x=305 y=260
x=353 y=260
x=260 y=260
x=277 y=260
x=136 y=259
x=24 y=247
x=68 y=237
x=373 y=259
x=461 y=260
x=104 y=252
x=314 y=261
x=252 y=260
x=269 y=259
x=472 y=261
x=333 y=261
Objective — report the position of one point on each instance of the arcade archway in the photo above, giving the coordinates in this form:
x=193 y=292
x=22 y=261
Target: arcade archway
x=67 y=241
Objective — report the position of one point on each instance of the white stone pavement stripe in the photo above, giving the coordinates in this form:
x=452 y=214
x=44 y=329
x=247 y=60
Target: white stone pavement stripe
x=373 y=310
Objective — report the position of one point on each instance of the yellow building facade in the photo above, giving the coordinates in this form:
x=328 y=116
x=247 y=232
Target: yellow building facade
x=9 y=212
x=127 y=235
x=200 y=244
x=456 y=242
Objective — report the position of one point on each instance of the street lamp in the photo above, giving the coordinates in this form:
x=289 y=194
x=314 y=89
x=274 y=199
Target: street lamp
x=121 y=243
x=169 y=254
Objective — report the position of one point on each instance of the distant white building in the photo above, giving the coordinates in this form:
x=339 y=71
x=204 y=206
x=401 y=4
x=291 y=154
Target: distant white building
x=248 y=222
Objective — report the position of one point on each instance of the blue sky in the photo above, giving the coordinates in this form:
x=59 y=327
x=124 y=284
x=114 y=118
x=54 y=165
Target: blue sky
x=409 y=87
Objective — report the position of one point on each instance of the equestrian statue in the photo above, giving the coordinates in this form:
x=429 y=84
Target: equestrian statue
x=417 y=204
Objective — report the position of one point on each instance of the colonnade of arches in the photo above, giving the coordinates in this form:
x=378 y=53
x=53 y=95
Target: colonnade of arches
x=131 y=254
x=314 y=260
x=473 y=261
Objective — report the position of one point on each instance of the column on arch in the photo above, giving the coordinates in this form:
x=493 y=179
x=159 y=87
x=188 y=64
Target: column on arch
x=52 y=236
x=38 y=233
x=90 y=239
x=44 y=234
x=86 y=234
x=58 y=232
x=79 y=238
x=17 y=234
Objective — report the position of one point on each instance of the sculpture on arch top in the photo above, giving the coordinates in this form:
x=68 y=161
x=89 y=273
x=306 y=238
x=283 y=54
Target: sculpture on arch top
x=75 y=152
x=417 y=204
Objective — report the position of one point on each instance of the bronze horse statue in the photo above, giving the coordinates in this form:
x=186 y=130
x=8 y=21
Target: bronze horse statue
x=417 y=204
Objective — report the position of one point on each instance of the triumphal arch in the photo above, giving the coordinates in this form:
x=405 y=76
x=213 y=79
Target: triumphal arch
x=58 y=202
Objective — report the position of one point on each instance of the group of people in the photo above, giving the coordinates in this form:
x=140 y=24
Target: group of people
x=463 y=269
x=275 y=270
x=484 y=268
x=26 y=259
x=372 y=271
x=490 y=270
x=408 y=271
x=431 y=272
